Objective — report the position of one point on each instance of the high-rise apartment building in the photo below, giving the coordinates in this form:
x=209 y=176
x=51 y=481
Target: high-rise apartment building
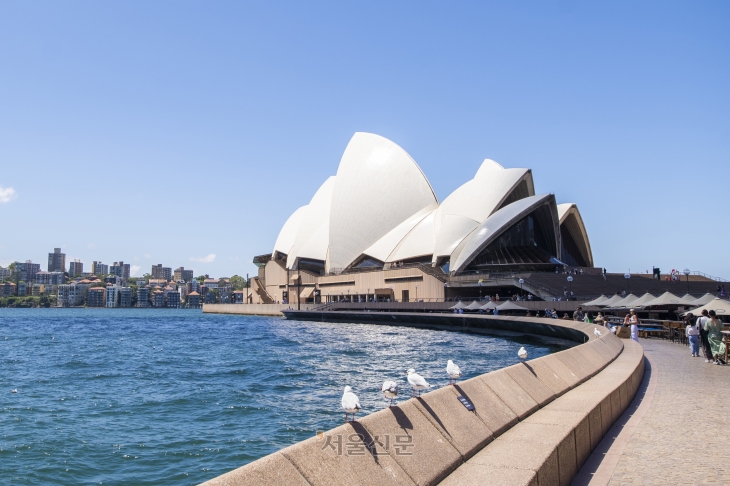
x=112 y=296
x=143 y=296
x=183 y=275
x=50 y=278
x=158 y=298
x=4 y=273
x=120 y=269
x=8 y=289
x=75 y=268
x=98 y=268
x=158 y=271
x=56 y=261
x=125 y=297
x=70 y=295
x=172 y=298
x=96 y=297
x=27 y=271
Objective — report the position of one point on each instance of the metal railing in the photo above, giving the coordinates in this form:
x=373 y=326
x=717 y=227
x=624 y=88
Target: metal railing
x=702 y=274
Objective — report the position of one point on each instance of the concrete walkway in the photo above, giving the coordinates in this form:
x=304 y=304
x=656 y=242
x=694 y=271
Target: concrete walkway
x=677 y=431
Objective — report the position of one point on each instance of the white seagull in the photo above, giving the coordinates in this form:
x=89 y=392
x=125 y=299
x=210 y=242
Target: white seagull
x=453 y=371
x=416 y=381
x=597 y=332
x=14 y=391
x=390 y=390
x=350 y=403
x=522 y=353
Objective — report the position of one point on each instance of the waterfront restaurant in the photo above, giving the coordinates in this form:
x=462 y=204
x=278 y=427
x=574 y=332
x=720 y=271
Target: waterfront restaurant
x=376 y=231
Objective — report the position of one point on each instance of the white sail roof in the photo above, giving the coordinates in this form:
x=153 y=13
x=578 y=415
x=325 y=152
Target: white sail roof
x=288 y=233
x=418 y=242
x=495 y=225
x=312 y=237
x=387 y=245
x=472 y=203
x=378 y=187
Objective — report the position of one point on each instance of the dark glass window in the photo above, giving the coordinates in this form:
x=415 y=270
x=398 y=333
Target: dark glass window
x=528 y=242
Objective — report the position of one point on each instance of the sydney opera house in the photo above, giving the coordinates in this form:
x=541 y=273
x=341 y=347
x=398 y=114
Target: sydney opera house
x=376 y=230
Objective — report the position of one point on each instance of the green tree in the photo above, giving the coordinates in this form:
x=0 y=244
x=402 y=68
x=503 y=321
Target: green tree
x=238 y=283
x=44 y=301
x=14 y=276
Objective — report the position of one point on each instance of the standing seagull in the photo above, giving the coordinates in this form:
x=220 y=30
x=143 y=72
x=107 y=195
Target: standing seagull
x=350 y=403
x=390 y=390
x=522 y=353
x=453 y=371
x=597 y=332
x=416 y=381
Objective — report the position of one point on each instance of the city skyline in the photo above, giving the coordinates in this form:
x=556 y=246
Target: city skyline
x=185 y=115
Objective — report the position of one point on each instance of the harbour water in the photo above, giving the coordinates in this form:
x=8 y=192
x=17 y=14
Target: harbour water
x=114 y=396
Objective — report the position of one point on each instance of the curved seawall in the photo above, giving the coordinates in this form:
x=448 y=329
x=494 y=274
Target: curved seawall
x=533 y=423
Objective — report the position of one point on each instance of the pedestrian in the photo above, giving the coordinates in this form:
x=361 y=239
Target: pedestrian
x=701 y=322
x=599 y=320
x=588 y=318
x=693 y=335
x=634 y=323
x=578 y=315
x=714 y=335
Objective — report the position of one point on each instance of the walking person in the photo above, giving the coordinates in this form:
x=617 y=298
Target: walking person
x=701 y=322
x=693 y=335
x=713 y=326
x=634 y=323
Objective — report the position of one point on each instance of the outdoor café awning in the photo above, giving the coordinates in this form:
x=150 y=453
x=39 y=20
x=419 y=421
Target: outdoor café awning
x=489 y=306
x=705 y=299
x=720 y=306
x=473 y=306
x=306 y=293
x=668 y=299
x=625 y=302
x=459 y=305
x=611 y=301
x=509 y=306
x=642 y=300
x=598 y=301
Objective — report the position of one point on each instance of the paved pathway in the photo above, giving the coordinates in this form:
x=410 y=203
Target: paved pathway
x=680 y=434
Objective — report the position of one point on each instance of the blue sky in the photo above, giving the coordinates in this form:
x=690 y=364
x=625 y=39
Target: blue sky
x=185 y=133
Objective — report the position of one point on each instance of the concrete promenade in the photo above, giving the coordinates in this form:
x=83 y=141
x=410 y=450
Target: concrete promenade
x=676 y=431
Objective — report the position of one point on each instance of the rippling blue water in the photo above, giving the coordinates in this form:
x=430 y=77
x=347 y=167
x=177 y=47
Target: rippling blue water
x=177 y=397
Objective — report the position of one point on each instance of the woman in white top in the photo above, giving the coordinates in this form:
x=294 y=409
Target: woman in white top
x=634 y=323
x=693 y=335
